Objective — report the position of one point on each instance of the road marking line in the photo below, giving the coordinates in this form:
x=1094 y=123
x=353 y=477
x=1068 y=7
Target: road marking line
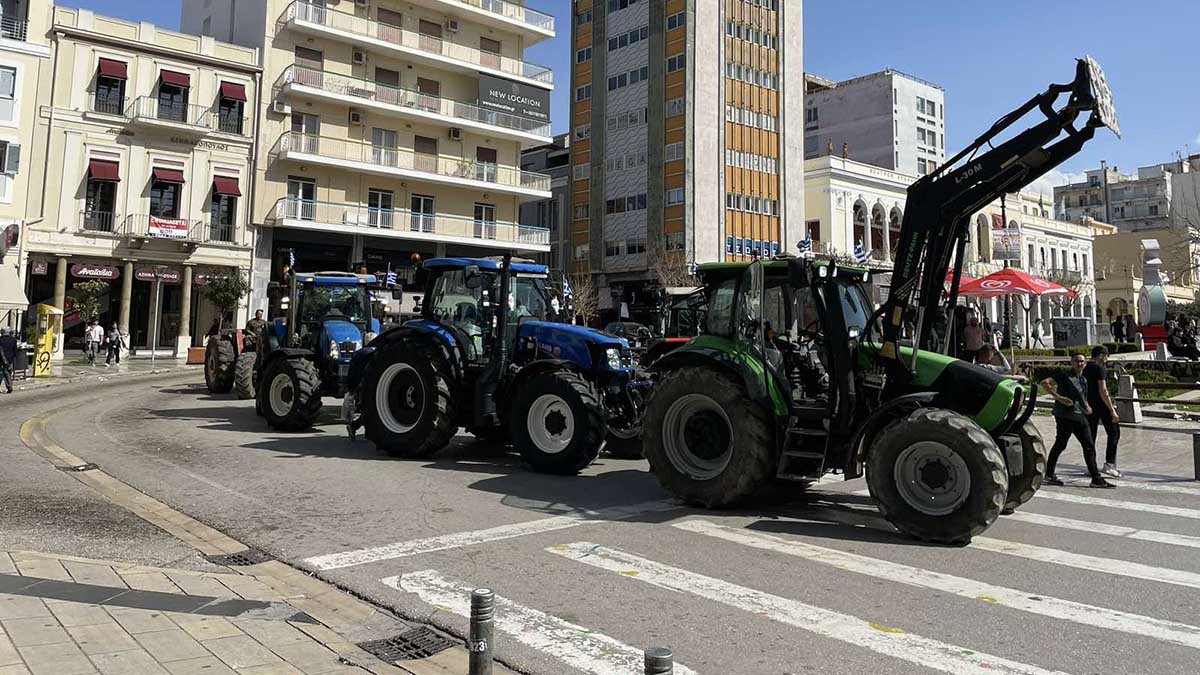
x=1056 y=608
x=333 y=561
x=1176 y=511
x=575 y=645
x=878 y=638
x=1148 y=485
x=1104 y=528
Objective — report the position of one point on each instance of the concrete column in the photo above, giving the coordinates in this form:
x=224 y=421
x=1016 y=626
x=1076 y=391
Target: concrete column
x=441 y=250
x=185 y=319
x=126 y=297
x=887 y=238
x=60 y=283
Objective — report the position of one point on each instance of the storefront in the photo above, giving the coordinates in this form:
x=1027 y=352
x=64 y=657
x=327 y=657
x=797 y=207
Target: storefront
x=40 y=290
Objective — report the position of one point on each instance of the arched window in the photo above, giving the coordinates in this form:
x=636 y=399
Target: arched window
x=860 y=223
x=895 y=219
x=982 y=241
x=878 y=229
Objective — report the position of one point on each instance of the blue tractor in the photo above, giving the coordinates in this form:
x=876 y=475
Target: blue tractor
x=486 y=355
x=307 y=354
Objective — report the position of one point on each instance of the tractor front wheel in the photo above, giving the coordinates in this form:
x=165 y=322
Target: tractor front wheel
x=937 y=476
x=558 y=422
x=408 y=403
x=706 y=440
x=1021 y=488
x=219 y=355
x=290 y=395
x=243 y=375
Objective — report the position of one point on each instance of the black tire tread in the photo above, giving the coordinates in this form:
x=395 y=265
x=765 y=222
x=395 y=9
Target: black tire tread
x=444 y=405
x=1022 y=488
x=307 y=404
x=243 y=375
x=592 y=425
x=219 y=377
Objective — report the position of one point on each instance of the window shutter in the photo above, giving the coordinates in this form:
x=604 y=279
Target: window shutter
x=12 y=159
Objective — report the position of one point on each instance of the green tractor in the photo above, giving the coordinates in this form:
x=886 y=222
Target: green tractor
x=795 y=375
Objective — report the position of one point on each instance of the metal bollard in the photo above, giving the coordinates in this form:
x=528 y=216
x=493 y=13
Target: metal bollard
x=1196 y=455
x=483 y=606
x=659 y=661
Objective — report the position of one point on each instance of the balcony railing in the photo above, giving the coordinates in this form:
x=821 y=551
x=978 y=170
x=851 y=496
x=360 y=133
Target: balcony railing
x=406 y=39
x=146 y=226
x=408 y=99
x=150 y=107
x=13 y=28
x=514 y=11
x=404 y=159
x=109 y=105
x=1060 y=276
x=97 y=221
x=217 y=232
x=404 y=220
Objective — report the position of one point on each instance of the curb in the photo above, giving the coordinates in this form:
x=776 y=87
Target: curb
x=31 y=385
x=337 y=611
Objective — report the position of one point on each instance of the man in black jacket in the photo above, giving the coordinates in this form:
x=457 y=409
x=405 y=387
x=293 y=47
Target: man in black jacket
x=1068 y=388
x=8 y=357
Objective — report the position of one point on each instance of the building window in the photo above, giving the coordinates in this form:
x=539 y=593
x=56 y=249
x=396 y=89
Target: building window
x=583 y=171
x=583 y=132
x=223 y=212
x=110 y=95
x=810 y=116
x=583 y=17
x=583 y=93
x=582 y=211
x=485 y=220
x=813 y=229
x=1154 y=209
x=677 y=20
x=673 y=152
x=583 y=55
x=922 y=167
x=581 y=252
x=422 y=213
x=164 y=199
x=101 y=198
x=173 y=96
x=676 y=106
x=230 y=108
x=633 y=246
x=677 y=62
x=674 y=196
x=380 y=206
x=612 y=248
x=206 y=26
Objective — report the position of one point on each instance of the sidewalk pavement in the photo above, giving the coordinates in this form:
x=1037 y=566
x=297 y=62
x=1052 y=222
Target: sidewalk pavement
x=73 y=371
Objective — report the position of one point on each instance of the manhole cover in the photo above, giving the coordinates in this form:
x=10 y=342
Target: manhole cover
x=81 y=467
x=240 y=559
x=416 y=643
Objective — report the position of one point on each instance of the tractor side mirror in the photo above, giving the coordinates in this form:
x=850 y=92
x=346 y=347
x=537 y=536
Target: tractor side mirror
x=471 y=277
x=398 y=294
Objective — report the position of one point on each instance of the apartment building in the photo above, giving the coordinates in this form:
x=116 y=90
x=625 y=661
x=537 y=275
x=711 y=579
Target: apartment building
x=1156 y=196
x=143 y=144
x=686 y=137
x=24 y=66
x=391 y=130
x=553 y=159
x=888 y=119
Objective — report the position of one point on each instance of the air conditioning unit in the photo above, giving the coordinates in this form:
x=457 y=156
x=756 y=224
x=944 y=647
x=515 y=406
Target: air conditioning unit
x=455 y=134
x=451 y=25
x=360 y=57
x=356 y=117
x=280 y=107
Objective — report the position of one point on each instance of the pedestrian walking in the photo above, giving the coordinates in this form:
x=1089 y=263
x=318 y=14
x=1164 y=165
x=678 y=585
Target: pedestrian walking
x=973 y=337
x=1035 y=336
x=1118 y=329
x=1068 y=388
x=1103 y=410
x=115 y=342
x=93 y=336
x=8 y=357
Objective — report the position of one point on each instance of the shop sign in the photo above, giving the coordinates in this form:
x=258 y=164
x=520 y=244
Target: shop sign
x=168 y=228
x=40 y=267
x=164 y=275
x=203 y=278
x=514 y=98
x=85 y=271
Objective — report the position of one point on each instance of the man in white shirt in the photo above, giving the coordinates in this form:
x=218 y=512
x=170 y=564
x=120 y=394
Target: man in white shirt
x=93 y=336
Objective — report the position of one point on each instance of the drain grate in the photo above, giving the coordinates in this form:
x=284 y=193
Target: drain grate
x=250 y=556
x=415 y=643
x=79 y=467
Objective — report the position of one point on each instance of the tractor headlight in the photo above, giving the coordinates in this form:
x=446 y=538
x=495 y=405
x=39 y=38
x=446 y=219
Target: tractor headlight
x=334 y=352
x=613 y=356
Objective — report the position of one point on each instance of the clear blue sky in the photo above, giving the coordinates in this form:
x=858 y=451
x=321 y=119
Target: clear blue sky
x=989 y=56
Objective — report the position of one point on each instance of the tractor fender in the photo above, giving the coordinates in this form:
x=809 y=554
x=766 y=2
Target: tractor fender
x=691 y=356
x=284 y=353
x=420 y=333
x=856 y=451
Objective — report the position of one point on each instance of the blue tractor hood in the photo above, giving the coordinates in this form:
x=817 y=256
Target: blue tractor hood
x=339 y=331
x=578 y=344
x=576 y=332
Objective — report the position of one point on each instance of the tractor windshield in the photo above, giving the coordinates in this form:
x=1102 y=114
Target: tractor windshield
x=856 y=309
x=527 y=298
x=318 y=303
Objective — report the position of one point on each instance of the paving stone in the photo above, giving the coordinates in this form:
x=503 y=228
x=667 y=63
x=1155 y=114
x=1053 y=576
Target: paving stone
x=208 y=665
x=205 y=627
x=16 y=669
x=149 y=581
x=141 y=620
x=6 y=564
x=42 y=630
x=309 y=657
x=42 y=568
x=197 y=585
x=59 y=659
x=249 y=588
x=100 y=575
x=8 y=652
x=240 y=651
x=20 y=607
x=171 y=645
x=272 y=669
x=77 y=613
x=127 y=662
x=271 y=633
x=102 y=638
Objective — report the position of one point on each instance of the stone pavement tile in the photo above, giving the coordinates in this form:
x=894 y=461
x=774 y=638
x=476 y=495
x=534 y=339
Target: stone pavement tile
x=21 y=607
x=16 y=669
x=6 y=564
x=100 y=575
x=141 y=620
x=127 y=663
x=249 y=588
x=273 y=669
x=208 y=665
x=8 y=653
x=241 y=651
x=271 y=633
x=42 y=568
x=171 y=645
x=102 y=638
x=149 y=581
x=60 y=659
x=197 y=585
x=77 y=613
x=42 y=630
x=205 y=627
x=310 y=657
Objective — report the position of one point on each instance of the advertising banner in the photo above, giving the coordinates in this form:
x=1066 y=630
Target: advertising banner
x=168 y=228
x=501 y=95
x=86 y=271
x=1006 y=241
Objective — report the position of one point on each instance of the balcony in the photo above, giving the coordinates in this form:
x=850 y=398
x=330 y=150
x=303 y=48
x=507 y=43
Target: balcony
x=192 y=119
x=12 y=28
x=102 y=222
x=1071 y=279
x=533 y=25
x=406 y=103
x=141 y=228
x=405 y=224
x=344 y=154
x=437 y=51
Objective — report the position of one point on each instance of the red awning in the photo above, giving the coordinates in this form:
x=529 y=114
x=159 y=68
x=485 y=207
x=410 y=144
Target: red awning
x=168 y=175
x=114 y=69
x=233 y=91
x=225 y=185
x=177 y=79
x=101 y=170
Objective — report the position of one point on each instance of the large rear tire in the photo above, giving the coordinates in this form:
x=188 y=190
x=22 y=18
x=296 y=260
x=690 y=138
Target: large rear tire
x=408 y=403
x=937 y=476
x=290 y=395
x=706 y=440
x=558 y=423
x=219 y=355
x=1021 y=488
x=243 y=375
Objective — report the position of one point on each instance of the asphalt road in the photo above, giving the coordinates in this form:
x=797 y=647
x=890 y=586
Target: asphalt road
x=593 y=568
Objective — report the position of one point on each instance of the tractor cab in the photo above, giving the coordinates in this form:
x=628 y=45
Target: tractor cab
x=330 y=314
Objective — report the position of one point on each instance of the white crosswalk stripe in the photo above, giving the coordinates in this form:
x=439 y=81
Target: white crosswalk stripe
x=579 y=647
x=402 y=549
x=1176 y=511
x=1172 y=487
x=1168 y=631
x=1092 y=527
x=881 y=639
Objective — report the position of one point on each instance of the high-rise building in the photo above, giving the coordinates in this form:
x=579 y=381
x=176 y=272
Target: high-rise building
x=1160 y=195
x=553 y=159
x=686 y=138
x=888 y=119
x=391 y=129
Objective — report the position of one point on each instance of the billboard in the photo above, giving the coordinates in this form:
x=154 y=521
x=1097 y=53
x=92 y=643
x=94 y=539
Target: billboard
x=1006 y=241
x=501 y=95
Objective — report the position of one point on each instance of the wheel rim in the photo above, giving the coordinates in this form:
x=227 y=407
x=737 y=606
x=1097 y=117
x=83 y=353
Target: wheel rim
x=551 y=423
x=283 y=394
x=932 y=478
x=697 y=437
x=400 y=398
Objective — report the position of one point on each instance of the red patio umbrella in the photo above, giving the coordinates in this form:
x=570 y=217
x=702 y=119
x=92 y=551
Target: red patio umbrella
x=964 y=279
x=1011 y=282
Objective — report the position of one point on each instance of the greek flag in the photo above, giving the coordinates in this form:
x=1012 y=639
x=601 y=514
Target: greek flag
x=291 y=259
x=861 y=255
x=568 y=294
x=391 y=280
x=806 y=245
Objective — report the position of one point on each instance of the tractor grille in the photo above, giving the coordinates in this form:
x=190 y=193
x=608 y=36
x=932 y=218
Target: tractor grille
x=348 y=347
